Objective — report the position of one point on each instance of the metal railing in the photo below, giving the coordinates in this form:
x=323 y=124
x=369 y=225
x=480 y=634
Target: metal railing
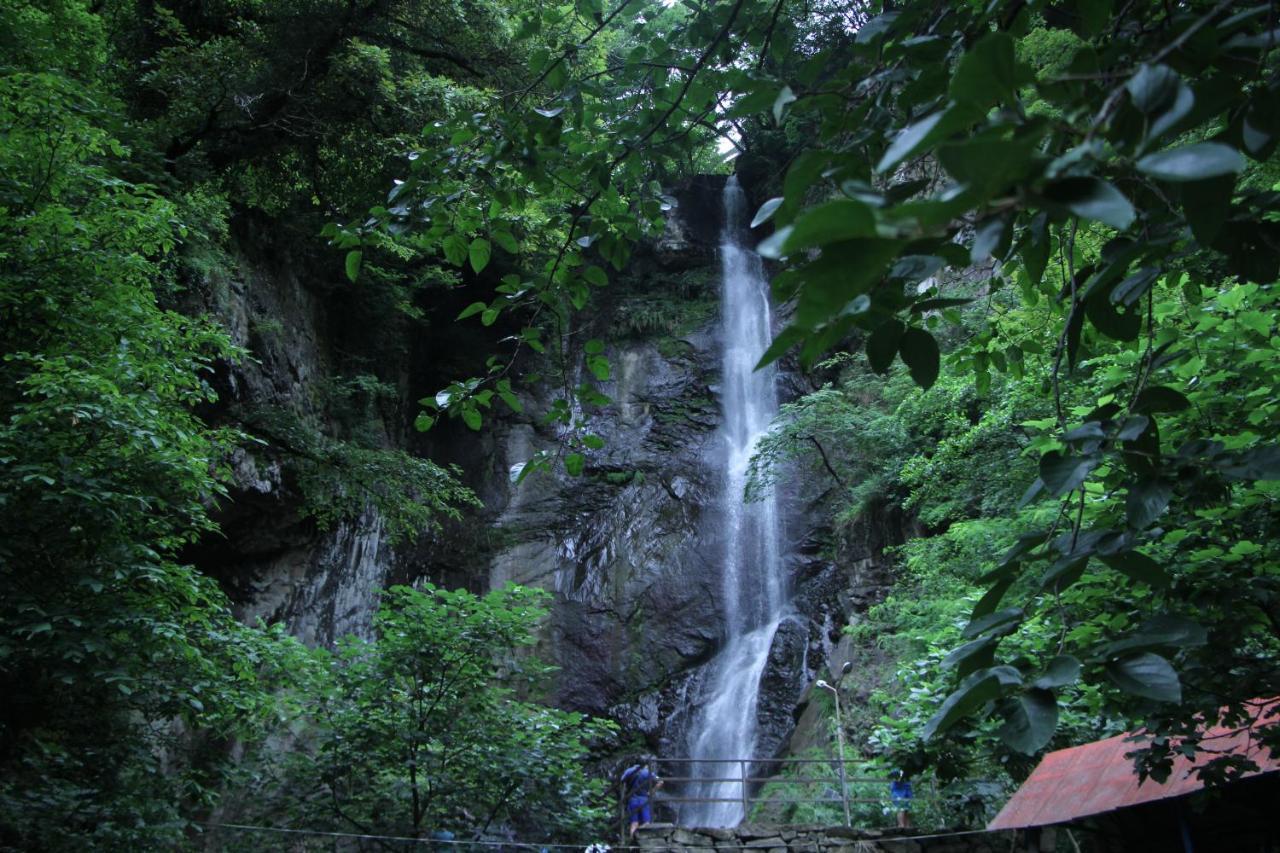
x=751 y=775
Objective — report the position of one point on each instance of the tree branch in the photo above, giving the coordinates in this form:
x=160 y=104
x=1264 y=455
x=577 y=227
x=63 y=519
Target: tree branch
x=421 y=52
x=825 y=461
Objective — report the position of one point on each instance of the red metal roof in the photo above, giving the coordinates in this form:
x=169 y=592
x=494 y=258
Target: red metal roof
x=1095 y=778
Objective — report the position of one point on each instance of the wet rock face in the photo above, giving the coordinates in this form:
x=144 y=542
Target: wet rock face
x=629 y=550
x=786 y=677
x=275 y=564
x=623 y=548
x=693 y=225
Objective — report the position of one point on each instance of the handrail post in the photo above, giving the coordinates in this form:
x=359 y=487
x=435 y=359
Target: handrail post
x=742 y=767
x=844 y=786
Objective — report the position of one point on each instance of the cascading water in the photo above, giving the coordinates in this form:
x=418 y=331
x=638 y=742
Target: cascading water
x=754 y=593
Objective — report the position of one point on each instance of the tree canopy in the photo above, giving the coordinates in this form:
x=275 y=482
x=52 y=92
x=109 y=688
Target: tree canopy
x=1098 y=182
x=1031 y=248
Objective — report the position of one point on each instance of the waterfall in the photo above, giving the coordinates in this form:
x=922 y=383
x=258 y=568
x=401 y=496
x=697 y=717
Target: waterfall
x=754 y=590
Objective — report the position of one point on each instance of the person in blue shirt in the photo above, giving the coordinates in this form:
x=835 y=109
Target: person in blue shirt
x=638 y=785
x=900 y=793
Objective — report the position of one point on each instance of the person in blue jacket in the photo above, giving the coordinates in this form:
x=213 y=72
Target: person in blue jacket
x=638 y=785
x=900 y=793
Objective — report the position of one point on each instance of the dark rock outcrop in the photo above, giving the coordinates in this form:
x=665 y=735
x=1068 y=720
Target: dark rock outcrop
x=628 y=550
x=275 y=563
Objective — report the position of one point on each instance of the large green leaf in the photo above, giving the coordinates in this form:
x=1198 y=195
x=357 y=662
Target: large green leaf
x=976 y=690
x=785 y=340
x=1065 y=472
x=455 y=249
x=1206 y=205
x=1133 y=287
x=1172 y=118
x=1061 y=671
x=920 y=353
x=1035 y=249
x=1030 y=721
x=987 y=73
x=1153 y=88
x=772 y=246
x=1000 y=621
x=471 y=310
x=987 y=238
x=1164 y=630
x=1137 y=566
x=882 y=345
x=1147 y=675
x=804 y=170
x=991 y=598
x=1093 y=15
x=988 y=165
x=506 y=240
x=919 y=135
x=973 y=655
x=1112 y=320
x=1146 y=500
x=844 y=271
x=1259 y=463
x=1064 y=572
x=1195 y=162
x=479 y=252
x=785 y=97
x=832 y=222
x=1160 y=398
x=471 y=417
x=766 y=211
x=1092 y=198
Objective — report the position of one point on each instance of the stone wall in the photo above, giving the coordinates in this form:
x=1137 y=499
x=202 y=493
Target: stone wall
x=839 y=839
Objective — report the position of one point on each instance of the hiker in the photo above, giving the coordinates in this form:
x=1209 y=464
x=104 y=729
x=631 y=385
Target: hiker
x=638 y=785
x=900 y=793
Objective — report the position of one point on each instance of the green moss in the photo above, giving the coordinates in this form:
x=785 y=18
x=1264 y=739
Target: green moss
x=623 y=478
x=694 y=409
x=667 y=304
x=660 y=314
x=672 y=348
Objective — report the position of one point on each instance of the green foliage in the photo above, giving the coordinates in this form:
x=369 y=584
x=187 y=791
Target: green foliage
x=424 y=729
x=105 y=474
x=305 y=104
x=343 y=480
x=1116 y=162
x=663 y=306
x=869 y=800
x=1127 y=196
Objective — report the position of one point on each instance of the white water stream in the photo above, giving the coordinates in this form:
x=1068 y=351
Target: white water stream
x=754 y=590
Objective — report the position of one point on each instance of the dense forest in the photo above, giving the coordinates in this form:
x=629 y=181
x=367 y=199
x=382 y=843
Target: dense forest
x=1024 y=256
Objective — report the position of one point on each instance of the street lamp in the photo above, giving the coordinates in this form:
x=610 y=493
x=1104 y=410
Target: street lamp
x=844 y=788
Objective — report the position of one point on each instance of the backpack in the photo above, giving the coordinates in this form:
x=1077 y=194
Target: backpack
x=633 y=779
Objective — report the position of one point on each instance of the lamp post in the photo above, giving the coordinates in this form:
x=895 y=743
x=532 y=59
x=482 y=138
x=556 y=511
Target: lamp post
x=844 y=788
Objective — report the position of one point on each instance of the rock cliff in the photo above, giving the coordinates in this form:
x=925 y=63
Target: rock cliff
x=627 y=549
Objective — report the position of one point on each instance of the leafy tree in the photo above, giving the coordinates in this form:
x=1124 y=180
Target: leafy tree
x=423 y=729
x=104 y=474
x=1103 y=176
x=1135 y=167
x=124 y=673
